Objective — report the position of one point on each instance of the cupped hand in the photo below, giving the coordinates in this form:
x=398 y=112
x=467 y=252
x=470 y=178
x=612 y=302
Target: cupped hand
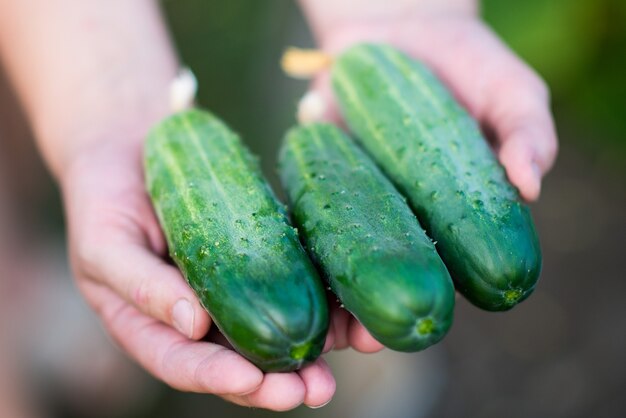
x=505 y=95
x=118 y=255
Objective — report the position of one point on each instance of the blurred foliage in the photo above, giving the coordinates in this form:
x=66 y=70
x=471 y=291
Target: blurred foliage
x=579 y=47
x=223 y=42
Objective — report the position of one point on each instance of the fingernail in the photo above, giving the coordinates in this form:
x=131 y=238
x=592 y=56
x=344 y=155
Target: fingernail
x=322 y=405
x=182 y=317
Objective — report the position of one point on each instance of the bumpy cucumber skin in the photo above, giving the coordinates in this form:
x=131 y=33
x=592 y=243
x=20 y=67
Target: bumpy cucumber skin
x=361 y=233
x=435 y=153
x=232 y=242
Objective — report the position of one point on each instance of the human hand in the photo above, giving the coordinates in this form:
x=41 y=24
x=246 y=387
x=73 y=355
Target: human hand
x=118 y=254
x=505 y=95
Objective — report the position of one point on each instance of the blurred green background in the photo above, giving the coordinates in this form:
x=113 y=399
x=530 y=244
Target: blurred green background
x=560 y=354
x=578 y=46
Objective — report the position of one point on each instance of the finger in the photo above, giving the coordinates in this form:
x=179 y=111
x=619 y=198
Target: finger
x=319 y=382
x=505 y=95
x=516 y=101
x=526 y=138
x=329 y=344
x=114 y=234
x=517 y=155
x=340 y=320
x=360 y=339
x=518 y=112
x=181 y=363
x=144 y=280
x=278 y=392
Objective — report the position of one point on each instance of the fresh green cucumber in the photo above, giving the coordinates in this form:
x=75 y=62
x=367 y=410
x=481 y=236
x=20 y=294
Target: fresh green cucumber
x=434 y=152
x=232 y=242
x=364 y=237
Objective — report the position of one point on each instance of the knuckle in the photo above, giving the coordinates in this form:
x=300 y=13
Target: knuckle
x=141 y=295
x=523 y=82
x=167 y=368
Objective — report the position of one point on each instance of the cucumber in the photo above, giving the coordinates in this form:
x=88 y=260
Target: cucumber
x=361 y=233
x=434 y=152
x=232 y=242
